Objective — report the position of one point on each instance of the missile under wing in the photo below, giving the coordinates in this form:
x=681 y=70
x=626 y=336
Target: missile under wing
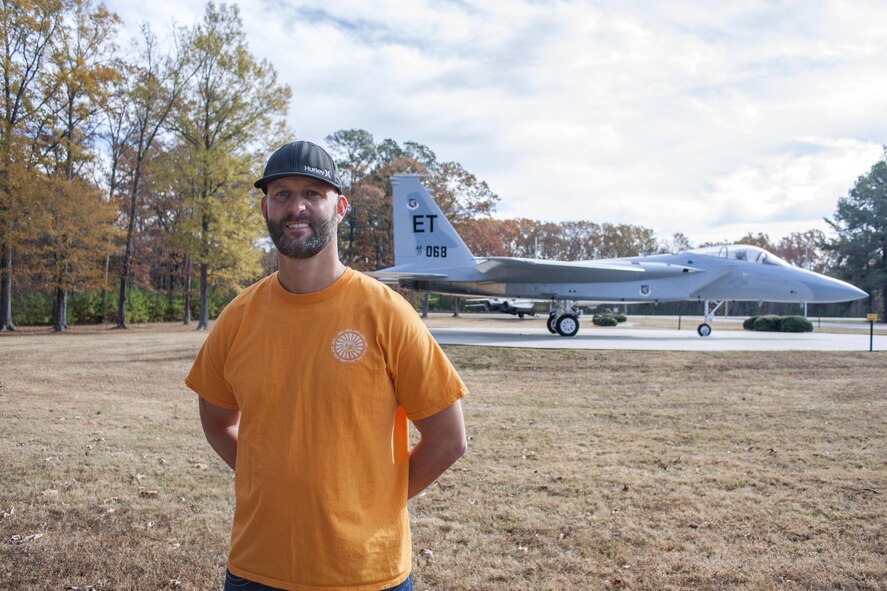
x=430 y=254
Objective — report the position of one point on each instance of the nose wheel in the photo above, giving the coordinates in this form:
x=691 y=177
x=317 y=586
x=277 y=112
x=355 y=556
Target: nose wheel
x=703 y=329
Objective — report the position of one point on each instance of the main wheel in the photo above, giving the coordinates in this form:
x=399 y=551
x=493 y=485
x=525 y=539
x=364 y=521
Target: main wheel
x=567 y=325
x=550 y=324
x=703 y=329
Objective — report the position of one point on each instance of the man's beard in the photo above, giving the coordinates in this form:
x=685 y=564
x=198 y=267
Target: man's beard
x=322 y=231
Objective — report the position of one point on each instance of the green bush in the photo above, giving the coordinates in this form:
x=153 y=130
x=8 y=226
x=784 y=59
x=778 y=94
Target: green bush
x=85 y=307
x=768 y=323
x=796 y=324
x=620 y=317
x=604 y=320
x=32 y=308
x=773 y=323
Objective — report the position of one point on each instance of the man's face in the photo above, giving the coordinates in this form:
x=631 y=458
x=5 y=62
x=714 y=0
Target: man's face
x=302 y=215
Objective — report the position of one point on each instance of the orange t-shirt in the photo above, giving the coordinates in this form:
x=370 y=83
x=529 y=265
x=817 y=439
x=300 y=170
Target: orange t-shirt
x=324 y=383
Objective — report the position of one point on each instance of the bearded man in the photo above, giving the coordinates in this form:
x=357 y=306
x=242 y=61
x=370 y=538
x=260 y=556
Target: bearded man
x=305 y=383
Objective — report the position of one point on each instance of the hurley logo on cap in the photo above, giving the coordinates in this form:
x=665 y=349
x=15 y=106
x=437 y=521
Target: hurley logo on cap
x=322 y=172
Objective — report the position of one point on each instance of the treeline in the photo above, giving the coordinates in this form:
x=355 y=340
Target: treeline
x=129 y=167
x=126 y=178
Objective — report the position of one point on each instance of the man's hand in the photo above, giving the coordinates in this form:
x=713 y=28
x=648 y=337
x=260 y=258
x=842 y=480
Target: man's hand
x=442 y=442
x=220 y=426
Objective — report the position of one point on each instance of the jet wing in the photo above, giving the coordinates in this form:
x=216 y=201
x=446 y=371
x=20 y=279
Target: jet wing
x=545 y=271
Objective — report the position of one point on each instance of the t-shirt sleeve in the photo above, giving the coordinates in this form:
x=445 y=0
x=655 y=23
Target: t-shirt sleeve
x=207 y=375
x=425 y=381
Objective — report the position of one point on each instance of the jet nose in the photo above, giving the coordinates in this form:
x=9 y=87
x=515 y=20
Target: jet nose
x=827 y=290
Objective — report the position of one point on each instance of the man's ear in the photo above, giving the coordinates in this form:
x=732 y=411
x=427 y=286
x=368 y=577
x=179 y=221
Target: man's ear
x=341 y=207
x=264 y=206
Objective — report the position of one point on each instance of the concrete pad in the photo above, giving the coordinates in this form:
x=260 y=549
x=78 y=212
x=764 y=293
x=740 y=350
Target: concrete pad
x=657 y=340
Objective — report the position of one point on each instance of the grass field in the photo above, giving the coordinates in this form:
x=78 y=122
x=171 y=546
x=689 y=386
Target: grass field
x=585 y=470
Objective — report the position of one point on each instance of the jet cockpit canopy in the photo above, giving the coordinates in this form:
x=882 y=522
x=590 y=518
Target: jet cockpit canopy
x=742 y=252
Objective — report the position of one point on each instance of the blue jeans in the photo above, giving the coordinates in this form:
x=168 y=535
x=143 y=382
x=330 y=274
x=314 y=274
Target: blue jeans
x=235 y=583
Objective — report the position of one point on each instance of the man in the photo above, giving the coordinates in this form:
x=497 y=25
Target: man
x=306 y=382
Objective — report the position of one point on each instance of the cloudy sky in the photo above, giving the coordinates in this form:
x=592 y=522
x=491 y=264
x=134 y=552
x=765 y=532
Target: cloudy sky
x=711 y=119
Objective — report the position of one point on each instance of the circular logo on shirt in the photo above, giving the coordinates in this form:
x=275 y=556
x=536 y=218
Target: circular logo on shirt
x=348 y=345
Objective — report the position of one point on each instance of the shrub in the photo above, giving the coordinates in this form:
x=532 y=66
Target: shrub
x=32 y=308
x=796 y=324
x=620 y=317
x=768 y=323
x=604 y=320
x=84 y=307
x=772 y=323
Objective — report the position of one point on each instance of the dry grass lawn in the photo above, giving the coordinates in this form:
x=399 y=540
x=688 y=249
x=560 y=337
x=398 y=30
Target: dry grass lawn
x=586 y=470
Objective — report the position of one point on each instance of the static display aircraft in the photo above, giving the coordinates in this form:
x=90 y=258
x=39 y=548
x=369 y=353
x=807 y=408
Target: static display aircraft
x=429 y=254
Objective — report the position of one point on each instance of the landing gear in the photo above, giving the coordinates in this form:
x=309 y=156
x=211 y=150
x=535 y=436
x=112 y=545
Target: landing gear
x=567 y=325
x=704 y=329
x=564 y=320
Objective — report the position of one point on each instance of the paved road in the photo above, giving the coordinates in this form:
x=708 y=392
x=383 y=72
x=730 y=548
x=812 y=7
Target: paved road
x=658 y=340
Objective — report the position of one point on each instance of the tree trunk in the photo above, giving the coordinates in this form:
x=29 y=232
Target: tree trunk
x=60 y=310
x=203 y=323
x=124 y=272
x=6 y=288
x=186 y=313
x=104 y=290
x=425 y=304
x=456 y=301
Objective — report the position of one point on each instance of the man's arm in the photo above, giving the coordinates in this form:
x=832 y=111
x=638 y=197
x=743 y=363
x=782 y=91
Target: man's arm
x=442 y=442
x=220 y=426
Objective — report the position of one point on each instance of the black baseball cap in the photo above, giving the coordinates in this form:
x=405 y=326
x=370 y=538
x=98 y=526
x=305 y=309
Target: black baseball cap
x=300 y=159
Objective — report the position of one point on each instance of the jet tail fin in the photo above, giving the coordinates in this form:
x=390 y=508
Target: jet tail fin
x=422 y=234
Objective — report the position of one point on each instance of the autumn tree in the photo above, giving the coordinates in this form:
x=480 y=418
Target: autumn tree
x=232 y=103
x=804 y=249
x=760 y=240
x=136 y=116
x=28 y=29
x=82 y=65
x=76 y=223
x=860 y=221
x=460 y=194
x=678 y=242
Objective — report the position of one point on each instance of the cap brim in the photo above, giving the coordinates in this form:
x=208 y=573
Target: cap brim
x=262 y=183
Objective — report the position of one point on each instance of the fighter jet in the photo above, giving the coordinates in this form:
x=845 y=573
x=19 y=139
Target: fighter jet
x=429 y=254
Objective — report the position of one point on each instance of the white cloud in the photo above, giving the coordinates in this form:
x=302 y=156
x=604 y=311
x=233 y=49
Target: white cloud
x=679 y=116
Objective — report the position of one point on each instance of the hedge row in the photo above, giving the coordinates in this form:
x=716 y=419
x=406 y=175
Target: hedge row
x=141 y=306
x=773 y=323
x=608 y=319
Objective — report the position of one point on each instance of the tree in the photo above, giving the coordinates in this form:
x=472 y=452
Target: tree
x=76 y=223
x=624 y=240
x=231 y=104
x=28 y=30
x=355 y=154
x=760 y=239
x=677 y=243
x=460 y=194
x=803 y=249
x=157 y=83
x=83 y=66
x=860 y=221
